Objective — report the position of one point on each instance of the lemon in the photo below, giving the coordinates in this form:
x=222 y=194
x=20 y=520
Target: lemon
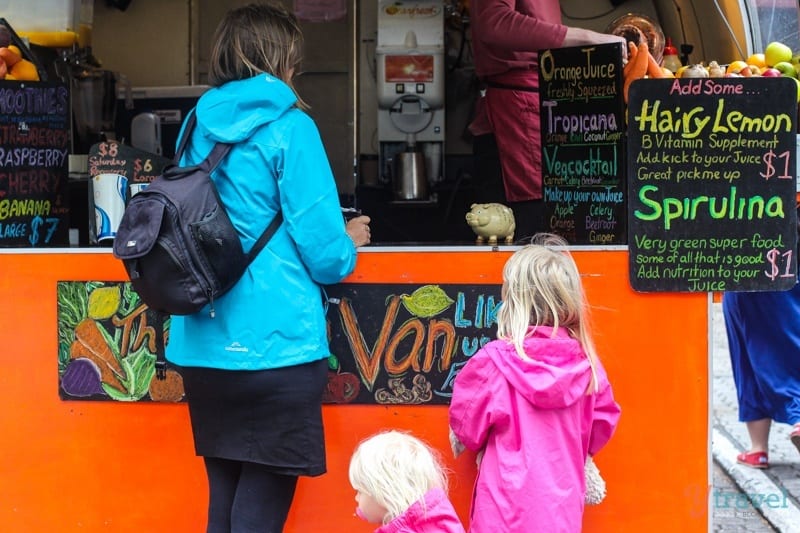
x=103 y=302
x=427 y=301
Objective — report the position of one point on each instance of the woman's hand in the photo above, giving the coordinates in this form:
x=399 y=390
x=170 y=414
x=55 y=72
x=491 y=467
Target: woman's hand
x=358 y=230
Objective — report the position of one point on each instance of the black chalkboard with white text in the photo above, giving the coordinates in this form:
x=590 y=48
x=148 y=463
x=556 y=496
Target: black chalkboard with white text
x=712 y=184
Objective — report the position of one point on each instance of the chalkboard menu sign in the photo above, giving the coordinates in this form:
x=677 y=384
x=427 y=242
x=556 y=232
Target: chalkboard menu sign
x=34 y=144
x=583 y=151
x=138 y=166
x=712 y=185
x=404 y=344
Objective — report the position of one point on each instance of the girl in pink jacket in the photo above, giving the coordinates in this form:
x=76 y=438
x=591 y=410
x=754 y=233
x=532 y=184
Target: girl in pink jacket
x=400 y=483
x=535 y=401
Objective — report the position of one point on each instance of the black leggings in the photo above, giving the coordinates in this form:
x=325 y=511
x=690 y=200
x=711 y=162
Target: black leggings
x=247 y=497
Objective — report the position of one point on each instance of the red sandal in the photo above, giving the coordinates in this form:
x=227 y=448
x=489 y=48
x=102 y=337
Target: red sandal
x=755 y=459
x=795 y=436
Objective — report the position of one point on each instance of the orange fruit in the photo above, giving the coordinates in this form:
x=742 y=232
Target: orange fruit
x=11 y=55
x=736 y=67
x=24 y=70
x=757 y=60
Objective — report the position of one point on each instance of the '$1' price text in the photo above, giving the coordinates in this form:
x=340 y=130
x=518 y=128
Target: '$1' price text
x=770 y=170
x=776 y=258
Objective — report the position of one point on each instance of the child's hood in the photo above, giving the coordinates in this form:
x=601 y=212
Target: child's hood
x=555 y=375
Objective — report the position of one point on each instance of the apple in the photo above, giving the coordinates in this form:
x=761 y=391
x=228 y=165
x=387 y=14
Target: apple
x=771 y=72
x=777 y=52
x=786 y=69
x=798 y=90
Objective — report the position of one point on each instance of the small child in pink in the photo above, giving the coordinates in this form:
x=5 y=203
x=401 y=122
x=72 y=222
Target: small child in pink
x=401 y=484
x=535 y=401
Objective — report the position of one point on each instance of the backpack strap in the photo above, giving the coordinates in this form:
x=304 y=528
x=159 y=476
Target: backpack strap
x=187 y=133
x=265 y=237
x=158 y=319
x=213 y=159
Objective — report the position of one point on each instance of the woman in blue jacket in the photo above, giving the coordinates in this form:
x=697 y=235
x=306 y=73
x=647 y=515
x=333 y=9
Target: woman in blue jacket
x=255 y=373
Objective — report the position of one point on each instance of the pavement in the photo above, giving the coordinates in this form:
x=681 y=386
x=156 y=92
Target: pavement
x=745 y=499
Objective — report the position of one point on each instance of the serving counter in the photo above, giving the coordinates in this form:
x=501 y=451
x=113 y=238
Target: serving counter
x=129 y=466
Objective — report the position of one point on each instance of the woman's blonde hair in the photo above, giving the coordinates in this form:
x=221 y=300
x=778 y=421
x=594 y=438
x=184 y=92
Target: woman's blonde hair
x=396 y=469
x=254 y=39
x=542 y=287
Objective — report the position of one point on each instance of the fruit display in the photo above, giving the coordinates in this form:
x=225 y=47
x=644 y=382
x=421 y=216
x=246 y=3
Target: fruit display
x=777 y=60
x=13 y=63
x=13 y=66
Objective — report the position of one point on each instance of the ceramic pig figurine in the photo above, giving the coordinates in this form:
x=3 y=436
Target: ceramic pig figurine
x=491 y=222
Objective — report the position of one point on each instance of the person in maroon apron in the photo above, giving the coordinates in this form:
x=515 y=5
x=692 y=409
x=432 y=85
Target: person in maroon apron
x=506 y=135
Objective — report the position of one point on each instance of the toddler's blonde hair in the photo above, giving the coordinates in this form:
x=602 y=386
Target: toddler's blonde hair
x=542 y=287
x=396 y=469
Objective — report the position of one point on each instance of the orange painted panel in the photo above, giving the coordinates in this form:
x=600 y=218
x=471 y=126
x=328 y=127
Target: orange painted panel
x=110 y=466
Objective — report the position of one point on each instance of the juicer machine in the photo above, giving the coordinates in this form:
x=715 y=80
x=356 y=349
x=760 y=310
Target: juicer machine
x=410 y=92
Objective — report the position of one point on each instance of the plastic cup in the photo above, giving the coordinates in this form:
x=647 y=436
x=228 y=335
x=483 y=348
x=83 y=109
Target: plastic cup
x=110 y=191
x=135 y=188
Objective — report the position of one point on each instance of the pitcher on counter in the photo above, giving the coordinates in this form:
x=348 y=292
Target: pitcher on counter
x=254 y=375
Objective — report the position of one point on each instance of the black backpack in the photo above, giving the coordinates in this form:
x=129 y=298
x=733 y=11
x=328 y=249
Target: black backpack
x=177 y=243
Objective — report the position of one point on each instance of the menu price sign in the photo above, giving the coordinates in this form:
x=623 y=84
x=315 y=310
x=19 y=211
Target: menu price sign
x=712 y=185
x=583 y=153
x=138 y=166
x=34 y=144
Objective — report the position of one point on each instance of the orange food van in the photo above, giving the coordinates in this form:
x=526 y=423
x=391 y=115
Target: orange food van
x=130 y=466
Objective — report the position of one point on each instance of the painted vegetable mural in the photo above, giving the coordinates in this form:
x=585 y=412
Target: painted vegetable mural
x=107 y=345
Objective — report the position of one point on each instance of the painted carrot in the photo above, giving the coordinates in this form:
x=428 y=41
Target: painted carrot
x=89 y=343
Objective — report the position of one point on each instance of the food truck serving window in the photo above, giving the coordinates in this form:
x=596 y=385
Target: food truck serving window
x=774 y=20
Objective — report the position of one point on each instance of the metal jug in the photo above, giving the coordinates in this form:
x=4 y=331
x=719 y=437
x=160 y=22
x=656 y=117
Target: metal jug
x=410 y=178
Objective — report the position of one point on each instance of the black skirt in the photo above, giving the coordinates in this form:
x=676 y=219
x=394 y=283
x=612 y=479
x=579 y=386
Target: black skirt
x=271 y=417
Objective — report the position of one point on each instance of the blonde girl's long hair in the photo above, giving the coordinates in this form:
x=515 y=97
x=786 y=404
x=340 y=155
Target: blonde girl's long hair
x=254 y=39
x=542 y=287
x=396 y=469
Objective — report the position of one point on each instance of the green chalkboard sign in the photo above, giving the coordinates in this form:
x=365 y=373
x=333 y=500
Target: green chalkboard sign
x=712 y=185
x=583 y=150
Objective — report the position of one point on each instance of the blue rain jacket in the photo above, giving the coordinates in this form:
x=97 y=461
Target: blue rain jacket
x=274 y=316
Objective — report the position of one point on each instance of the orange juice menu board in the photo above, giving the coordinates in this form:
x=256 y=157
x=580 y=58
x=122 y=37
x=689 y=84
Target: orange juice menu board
x=583 y=152
x=712 y=184
x=34 y=145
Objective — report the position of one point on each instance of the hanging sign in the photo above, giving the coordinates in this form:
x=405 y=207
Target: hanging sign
x=583 y=151
x=712 y=185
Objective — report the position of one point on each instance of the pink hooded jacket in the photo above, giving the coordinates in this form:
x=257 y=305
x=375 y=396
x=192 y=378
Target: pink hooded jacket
x=434 y=515
x=536 y=424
